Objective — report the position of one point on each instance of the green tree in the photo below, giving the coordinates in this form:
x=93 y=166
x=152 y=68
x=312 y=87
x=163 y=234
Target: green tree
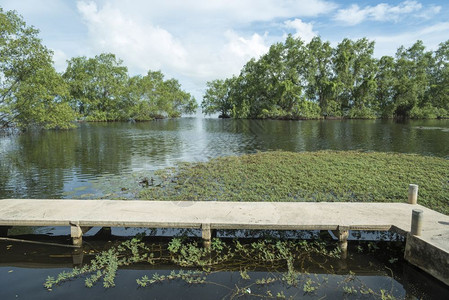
x=217 y=98
x=273 y=86
x=319 y=74
x=98 y=87
x=412 y=81
x=291 y=73
x=355 y=70
x=177 y=101
x=386 y=82
x=249 y=93
x=32 y=93
x=153 y=97
x=294 y=80
x=438 y=94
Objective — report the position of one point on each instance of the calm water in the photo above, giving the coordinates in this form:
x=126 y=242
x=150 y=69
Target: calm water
x=97 y=160
x=80 y=163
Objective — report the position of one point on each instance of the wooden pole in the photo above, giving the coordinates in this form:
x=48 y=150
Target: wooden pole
x=76 y=232
x=206 y=233
x=417 y=216
x=343 y=242
x=413 y=194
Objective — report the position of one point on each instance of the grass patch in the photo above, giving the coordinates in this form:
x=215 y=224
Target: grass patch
x=345 y=176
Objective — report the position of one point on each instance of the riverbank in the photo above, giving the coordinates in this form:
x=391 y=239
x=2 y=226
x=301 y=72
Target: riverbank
x=334 y=176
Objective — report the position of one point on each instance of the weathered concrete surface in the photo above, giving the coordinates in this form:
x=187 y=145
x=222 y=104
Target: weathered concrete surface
x=232 y=215
x=428 y=257
x=220 y=215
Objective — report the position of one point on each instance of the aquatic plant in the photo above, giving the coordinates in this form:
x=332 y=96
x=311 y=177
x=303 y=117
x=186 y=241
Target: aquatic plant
x=106 y=264
x=190 y=277
x=285 y=264
x=343 y=176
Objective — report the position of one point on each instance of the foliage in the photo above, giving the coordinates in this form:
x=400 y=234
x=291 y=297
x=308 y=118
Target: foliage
x=97 y=86
x=308 y=176
x=438 y=93
x=345 y=81
x=269 y=268
x=188 y=253
x=412 y=78
x=361 y=113
x=427 y=112
x=106 y=264
x=386 y=81
x=152 y=97
x=101 y=90
x=32 y=93
x=217 y=99
x=354 y=69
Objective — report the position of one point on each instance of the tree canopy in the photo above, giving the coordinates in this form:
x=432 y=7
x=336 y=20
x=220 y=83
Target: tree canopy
x=295 y=80
x=33 y=94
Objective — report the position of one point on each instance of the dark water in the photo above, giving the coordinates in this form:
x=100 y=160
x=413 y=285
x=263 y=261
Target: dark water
x=97 y=159
x=24 y=268
x=82 y=163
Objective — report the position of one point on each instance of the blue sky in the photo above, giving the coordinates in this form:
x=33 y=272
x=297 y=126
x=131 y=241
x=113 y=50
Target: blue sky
x=200 y=40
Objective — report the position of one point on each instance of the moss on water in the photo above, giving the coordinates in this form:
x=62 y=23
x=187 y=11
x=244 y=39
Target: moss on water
x=346 y=176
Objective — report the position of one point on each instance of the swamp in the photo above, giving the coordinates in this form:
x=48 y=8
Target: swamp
x=235 y=160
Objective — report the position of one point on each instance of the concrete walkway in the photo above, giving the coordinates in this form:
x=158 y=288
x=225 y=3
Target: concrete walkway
x=223 y=215
x=82 y=214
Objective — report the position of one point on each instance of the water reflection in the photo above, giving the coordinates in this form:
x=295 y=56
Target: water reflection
x=50 y=164
x=26 y=266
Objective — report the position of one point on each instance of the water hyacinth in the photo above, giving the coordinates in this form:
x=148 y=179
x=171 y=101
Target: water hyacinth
x=343 y=176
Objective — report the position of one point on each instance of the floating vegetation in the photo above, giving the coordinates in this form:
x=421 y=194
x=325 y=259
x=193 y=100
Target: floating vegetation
x=269 y=268
x=123 y=186
x=445 y=129
x=346 y=176
x=105 y=264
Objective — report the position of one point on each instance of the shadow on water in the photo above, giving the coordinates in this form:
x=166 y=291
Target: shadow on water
x=378 y=267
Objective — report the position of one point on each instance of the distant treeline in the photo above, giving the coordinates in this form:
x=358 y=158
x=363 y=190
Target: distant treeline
x=33 y=94
x=295 y=80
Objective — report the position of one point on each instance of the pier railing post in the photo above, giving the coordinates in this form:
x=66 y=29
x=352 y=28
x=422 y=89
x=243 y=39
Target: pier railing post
x=343 y=235
x=417 y=216
x=76 y=232
x=207 y=233
x=412 y=194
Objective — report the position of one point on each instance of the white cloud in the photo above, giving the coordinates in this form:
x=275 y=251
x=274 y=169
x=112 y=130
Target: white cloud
x=430 y=12
x=226 y=10
x=245 y=48
x=142 y=45
x=384 y=12
x=303 y=30
x=192 y=56
x=431 y=36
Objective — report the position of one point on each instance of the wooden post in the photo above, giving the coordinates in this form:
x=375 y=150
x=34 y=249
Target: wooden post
x=78 y=256
x=206 y=233
x=417 y=216
x=412 y=193
x=343 y=242
x=76 y=232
